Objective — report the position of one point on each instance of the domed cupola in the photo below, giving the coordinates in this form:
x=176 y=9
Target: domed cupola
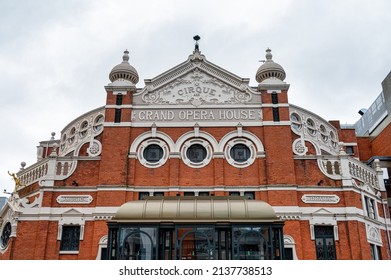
x=124 y=70
x=269 y=69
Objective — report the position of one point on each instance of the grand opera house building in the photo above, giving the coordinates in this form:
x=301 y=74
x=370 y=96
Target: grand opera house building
x=198 y=165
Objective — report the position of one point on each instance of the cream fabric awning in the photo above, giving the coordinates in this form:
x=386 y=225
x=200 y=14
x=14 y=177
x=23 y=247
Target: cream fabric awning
x=195 y=210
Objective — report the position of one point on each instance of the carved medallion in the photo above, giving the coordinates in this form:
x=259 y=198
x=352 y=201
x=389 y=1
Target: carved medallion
x=373 y=234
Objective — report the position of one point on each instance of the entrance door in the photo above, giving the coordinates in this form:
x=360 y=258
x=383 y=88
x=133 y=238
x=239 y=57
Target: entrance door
x=138 y=246
x=325 y=245
x=195 y=243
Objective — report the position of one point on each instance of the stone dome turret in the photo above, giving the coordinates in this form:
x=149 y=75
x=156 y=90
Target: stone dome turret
x=269 y=69
x=124 y=70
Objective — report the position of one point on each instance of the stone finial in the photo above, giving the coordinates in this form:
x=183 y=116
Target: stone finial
x=53 y=134
x=22 y=165
x=196 y=47
x=377 y=165
x=124 y=70
x=268 y=55
x=125 y=57
x=54 y=150
x=270 y=69
x=341 y=149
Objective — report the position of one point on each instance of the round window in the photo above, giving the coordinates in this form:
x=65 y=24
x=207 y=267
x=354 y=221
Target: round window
x=98 y=123
x=296 y=121
x=5 y=235
x=311 y=126
x=196 y=153
x=240 y=153
x=323 y=132
x=83 y=129
x=153 y=153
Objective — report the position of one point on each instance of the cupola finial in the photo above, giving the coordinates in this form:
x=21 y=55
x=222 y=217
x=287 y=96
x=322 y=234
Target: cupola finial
x=196 y=38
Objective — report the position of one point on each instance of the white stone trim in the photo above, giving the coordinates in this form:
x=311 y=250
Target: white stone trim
x=272 y=123
x=289 y=242
x=102 y=244
x=255 y=105
x=191 y=142
x=202 y=136
x=373 y=234
x=147 y=135
x=320 y=198
x=323 y=218
x=349 y=144
x=271 y=105
x=248 y=144
x=74 y=199
x=37 y=201
x=124 y=106
x=95 y=148
x=121 y=92
x=120 y=124
x=71 y=217
x=243 y=134
x=153 y=141
x=329 y=145
x=200 y=123
x=81 y=135
x=324 y=215
x=69 y=252
x=299 y=148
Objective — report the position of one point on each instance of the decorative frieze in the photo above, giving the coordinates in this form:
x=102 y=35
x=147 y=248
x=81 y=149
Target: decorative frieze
x=74 y=199
x=320 y=198
x=289 y=217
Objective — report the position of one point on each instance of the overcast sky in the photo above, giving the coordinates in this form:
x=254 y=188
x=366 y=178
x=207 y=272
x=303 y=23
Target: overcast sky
x=55 y=56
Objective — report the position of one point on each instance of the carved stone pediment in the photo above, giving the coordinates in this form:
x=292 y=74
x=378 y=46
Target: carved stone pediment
x=197 y=88
x=196 y=82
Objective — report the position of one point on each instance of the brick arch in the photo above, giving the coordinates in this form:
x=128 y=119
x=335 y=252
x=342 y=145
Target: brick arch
x=316 y=146
x=193 y=134
x=244 y=134
x=146 y=135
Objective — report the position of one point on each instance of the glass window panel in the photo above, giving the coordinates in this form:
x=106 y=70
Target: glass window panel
x=196 y=243
x=196 y=153
x=240 y=153
x=153 y=153
x=324 y=243
x=5 y=235
x=70 y=238
x=251 y=243
x=138 y=243
x=288 y=253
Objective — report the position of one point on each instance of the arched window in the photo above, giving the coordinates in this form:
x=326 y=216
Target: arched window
x=251 y=246
x=195 y=245
x=138 y=245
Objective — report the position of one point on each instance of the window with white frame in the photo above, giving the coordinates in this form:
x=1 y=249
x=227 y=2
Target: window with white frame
x=325 y=243
x=70 y=232
x=240 y=152
x=70 y=238
x=153 y=153
x=289 y=248
x=370 y=207
x=196 y=153
x=376 y=252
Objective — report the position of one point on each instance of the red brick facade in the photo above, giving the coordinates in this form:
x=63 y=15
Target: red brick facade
x=303 y=174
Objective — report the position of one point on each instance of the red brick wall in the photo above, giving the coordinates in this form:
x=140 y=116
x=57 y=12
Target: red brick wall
x=365 y=148
x=381 y=145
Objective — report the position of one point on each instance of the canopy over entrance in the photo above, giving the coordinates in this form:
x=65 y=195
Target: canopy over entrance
x=196 y=209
